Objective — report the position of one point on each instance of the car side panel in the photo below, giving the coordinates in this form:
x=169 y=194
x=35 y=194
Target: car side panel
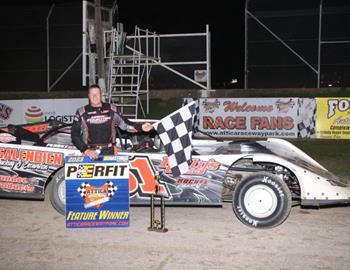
x=24 y=170
x=314 y=187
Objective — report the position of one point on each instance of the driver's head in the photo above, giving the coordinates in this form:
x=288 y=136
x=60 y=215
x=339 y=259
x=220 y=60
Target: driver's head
x=95 y=95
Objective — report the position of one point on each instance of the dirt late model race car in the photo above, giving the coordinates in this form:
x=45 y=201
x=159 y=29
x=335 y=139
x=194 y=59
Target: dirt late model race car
x=262 y=178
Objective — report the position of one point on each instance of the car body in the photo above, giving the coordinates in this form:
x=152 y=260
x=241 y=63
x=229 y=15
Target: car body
x=262 y=178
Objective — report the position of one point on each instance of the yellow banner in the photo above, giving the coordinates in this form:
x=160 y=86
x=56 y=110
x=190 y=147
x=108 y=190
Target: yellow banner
x=333 y=118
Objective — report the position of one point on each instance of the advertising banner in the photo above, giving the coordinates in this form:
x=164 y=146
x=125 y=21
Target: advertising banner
x=37 y=110
x=333 y=118
x=97 y=192
x=249 y=117
x=10 y=112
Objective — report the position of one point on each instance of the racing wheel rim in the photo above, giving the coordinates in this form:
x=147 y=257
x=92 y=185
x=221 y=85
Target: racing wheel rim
x=260 y=201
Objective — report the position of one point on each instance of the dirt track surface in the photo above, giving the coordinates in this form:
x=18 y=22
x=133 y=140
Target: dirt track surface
x=33 y=236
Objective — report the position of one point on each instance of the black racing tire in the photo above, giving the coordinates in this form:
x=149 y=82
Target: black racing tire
x=58 y=191
x=262 y=200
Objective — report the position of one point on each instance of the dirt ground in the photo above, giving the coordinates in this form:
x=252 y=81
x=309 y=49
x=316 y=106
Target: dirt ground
x=33 y=236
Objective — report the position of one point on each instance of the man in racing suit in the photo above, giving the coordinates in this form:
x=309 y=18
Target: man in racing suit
x=94 y=126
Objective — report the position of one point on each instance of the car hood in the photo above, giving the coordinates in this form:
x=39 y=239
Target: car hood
x=297 y=157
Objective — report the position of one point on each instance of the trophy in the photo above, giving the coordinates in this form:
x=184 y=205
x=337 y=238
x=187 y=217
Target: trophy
x=157 y=225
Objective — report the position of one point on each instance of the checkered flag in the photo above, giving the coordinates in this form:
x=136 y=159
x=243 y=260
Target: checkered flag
x=196 y=115
x=82 y=189
x=111 y=188
x=175 y=132
x=306 y=120
x=80 y=171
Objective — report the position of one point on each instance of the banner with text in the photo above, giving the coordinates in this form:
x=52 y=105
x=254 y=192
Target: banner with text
x=249 y=117
x=37 y=110
x=333 y=118
x=97 y=192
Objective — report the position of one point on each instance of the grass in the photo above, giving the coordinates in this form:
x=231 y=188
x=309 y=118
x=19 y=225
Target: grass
x=332 y=154
x=160 y=108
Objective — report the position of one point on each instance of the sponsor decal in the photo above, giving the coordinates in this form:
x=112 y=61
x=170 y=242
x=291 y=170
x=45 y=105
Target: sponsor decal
x=13 y=179
x=268 y=180
x=97 y=171
x=34 y=114
x=16 y=187
x=190 y=182
x=108 y=158
x=8 y=163
x=245 y=217
x=5 y=111
x=75 y=159
x=15 y=183
x=38 y=128
x=32 y=156
x=99 y=119
x=56 y=145
x=116 y=158
x=197 y=167
x=96 y=196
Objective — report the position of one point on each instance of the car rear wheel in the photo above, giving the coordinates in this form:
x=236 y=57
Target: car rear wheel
x=262 y=200
x=58 y=191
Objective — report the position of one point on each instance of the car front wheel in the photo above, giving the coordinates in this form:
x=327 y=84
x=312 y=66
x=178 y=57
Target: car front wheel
x=262 y=200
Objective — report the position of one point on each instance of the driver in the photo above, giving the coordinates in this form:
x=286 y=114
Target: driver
x=93 y=128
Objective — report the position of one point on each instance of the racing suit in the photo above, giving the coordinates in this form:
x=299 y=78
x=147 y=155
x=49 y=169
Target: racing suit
x=95 y=128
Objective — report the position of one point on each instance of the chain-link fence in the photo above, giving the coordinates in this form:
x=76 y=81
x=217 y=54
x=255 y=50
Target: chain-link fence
x=297 y=43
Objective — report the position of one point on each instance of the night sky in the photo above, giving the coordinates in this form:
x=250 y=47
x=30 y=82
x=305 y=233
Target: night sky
x=226 y=23
x=25 y=20
x=271 y=64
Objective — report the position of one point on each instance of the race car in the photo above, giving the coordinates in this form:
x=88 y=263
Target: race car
x=262 y=178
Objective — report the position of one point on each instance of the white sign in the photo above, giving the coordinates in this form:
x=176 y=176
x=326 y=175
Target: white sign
x=249 y=117
x=200 y=75
x=37 y=110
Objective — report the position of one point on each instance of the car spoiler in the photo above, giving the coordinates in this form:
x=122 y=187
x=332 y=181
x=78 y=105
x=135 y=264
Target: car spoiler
x=33 y=132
